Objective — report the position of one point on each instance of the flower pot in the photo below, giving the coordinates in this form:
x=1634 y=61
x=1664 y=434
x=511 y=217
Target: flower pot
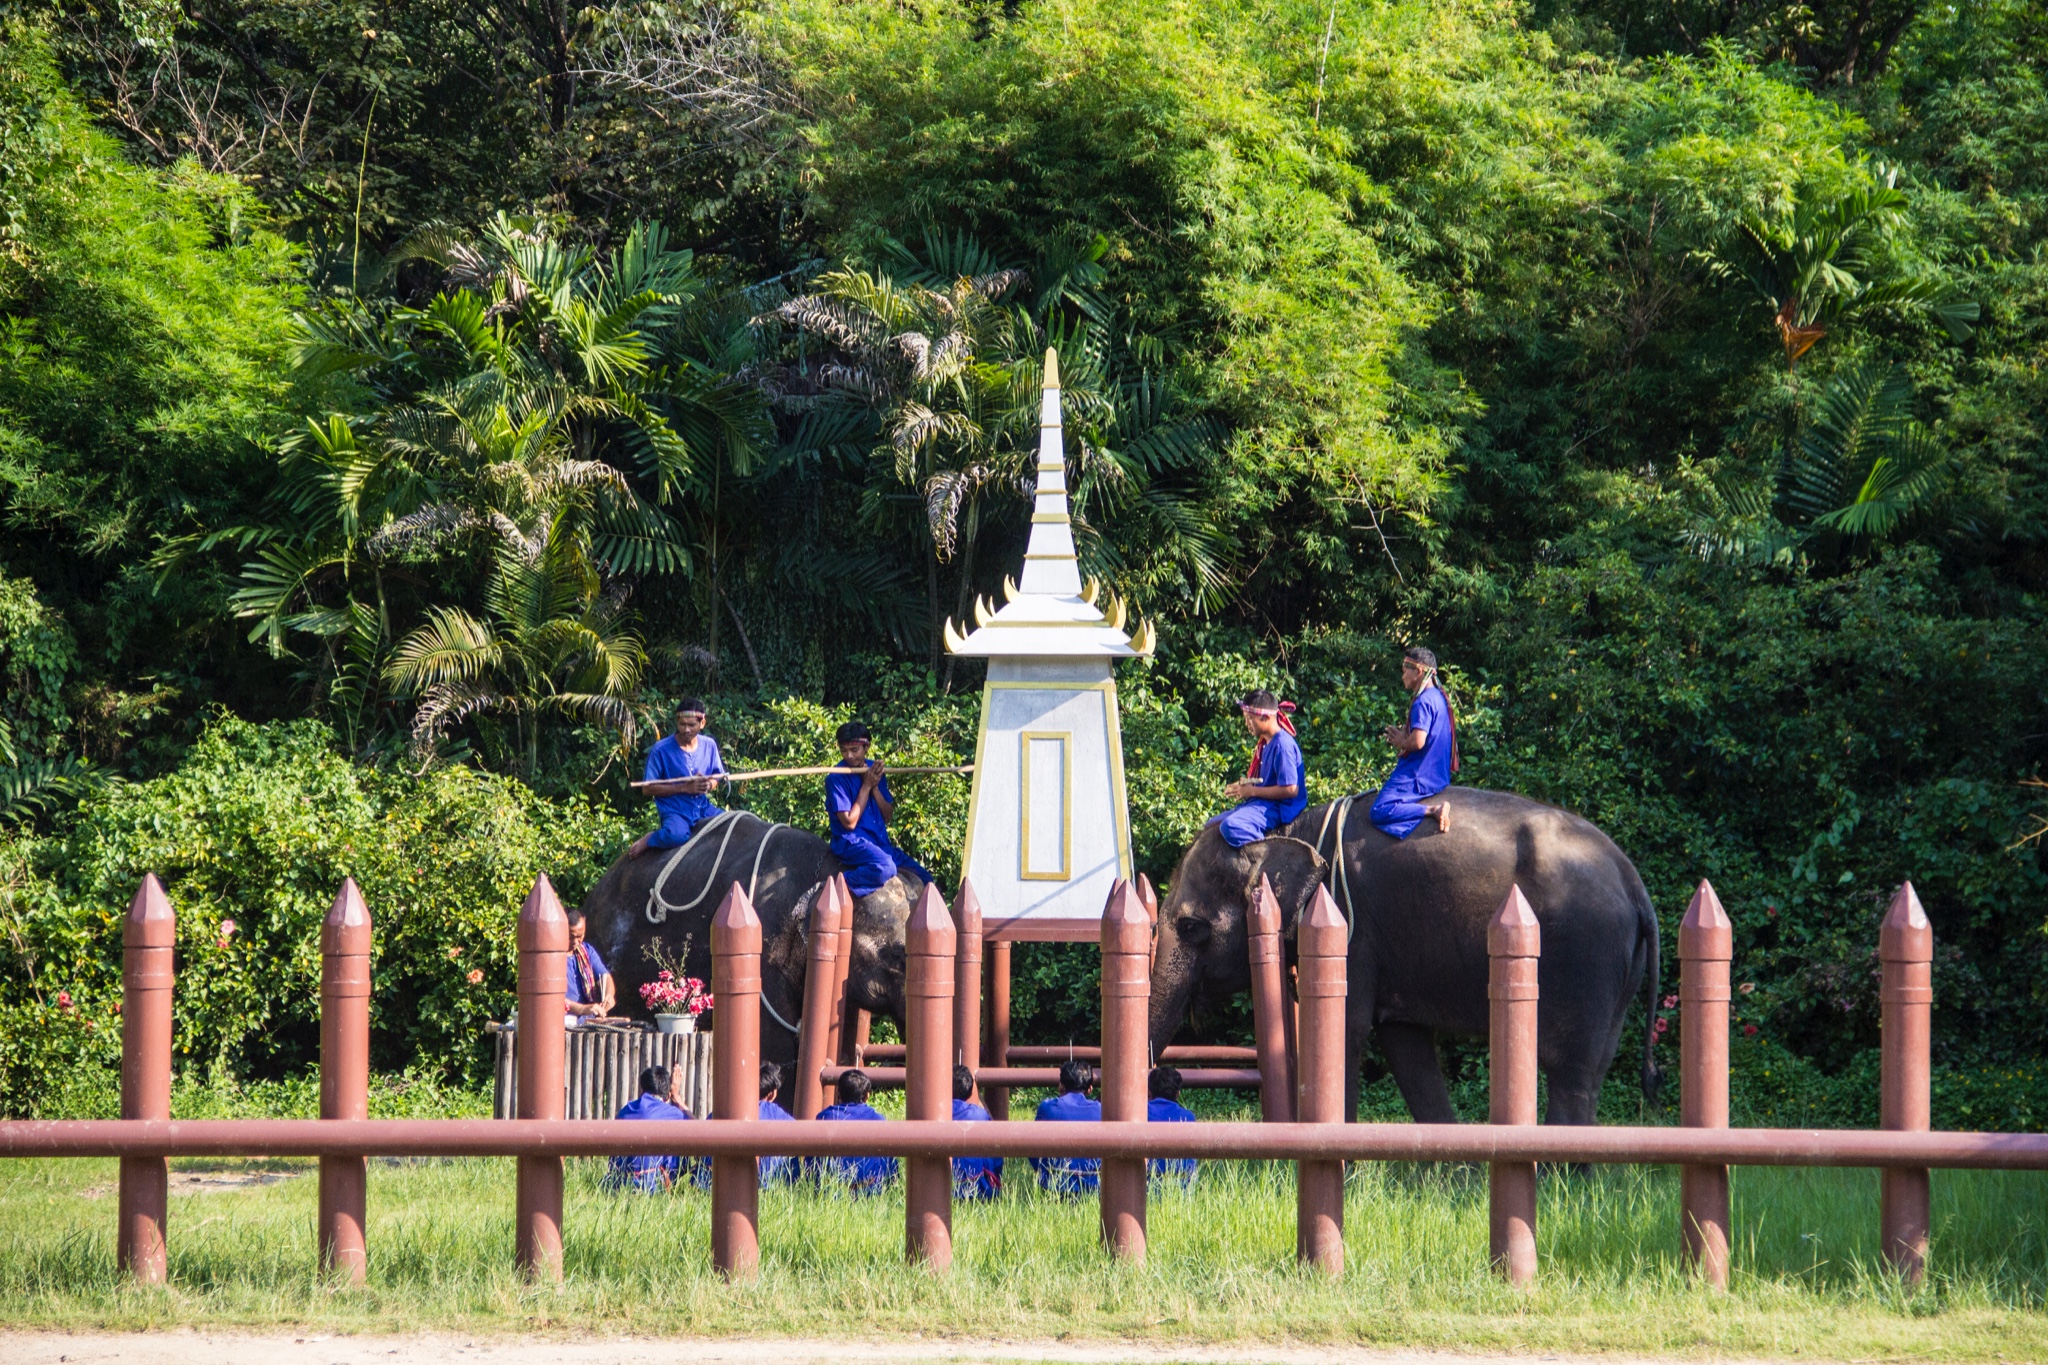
x=675 y=1023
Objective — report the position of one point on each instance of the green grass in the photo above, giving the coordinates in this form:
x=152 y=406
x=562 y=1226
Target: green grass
x=1221 y=1266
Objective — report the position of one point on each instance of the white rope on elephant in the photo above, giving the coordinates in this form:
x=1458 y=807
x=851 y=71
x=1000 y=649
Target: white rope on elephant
x=659 y=907
x=1340 y=811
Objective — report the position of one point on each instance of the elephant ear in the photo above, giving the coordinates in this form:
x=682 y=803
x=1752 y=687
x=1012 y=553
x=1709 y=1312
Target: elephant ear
x=1293 y=868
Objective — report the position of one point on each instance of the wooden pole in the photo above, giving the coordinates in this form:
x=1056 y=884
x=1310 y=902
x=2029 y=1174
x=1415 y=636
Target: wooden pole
x=1126 y=1046
x=928 y=984
x=843 y=1010
x=967 y=980
x=543 y=935
x=821 y=978
x=1706 y=944
x=736 y=1083
x=997 y=1050
x=1513 y=945
x=1905 y=949
x=1319 y=1185
x=148 y=940
x=345 y=1078
x=1269 y=1006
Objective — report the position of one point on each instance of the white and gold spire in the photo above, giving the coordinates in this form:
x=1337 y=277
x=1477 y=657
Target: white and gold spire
x=1049 y=611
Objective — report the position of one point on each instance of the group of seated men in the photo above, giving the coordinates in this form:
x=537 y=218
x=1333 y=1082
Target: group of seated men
x=974 y=1177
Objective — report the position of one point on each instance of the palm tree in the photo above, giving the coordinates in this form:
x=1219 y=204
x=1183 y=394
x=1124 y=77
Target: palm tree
x=1819 y=265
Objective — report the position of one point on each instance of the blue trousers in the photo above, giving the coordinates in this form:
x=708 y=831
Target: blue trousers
x=673 y=830
x=1399 y=813
x=1248 y=822
x=871 y=862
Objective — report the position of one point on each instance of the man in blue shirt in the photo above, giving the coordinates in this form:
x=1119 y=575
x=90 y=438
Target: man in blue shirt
x=775 y=1169
x=591 y=993
x=682 y=769
x=1428 y=750
x=859 y=803
x=974 y=1177
x=1070 y=1174
x=650 y=1174
x=1163 y=1085
x=861 y=1174
x=1275 y=788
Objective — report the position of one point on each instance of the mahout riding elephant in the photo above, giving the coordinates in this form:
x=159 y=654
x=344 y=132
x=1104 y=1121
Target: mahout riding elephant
x=1418 y=909
x=668 y=897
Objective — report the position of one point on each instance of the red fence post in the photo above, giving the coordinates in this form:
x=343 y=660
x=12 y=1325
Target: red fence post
x=996 y=1052
x=1905 y=948
x=928 y=981
x=736 y=1083
x=821 y=978
x=1269 y=1002
x=966 y=981
x=148 y=940
x=1126 y=1051
x=345 y=1077
x=843 y=1010
x=1321 y=979
x=1513 y=945
x=1706 y=944
x=543 y=983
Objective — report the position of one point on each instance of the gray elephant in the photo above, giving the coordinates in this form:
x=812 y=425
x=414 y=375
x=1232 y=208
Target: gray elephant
x=668 y=897
x=1418 y=964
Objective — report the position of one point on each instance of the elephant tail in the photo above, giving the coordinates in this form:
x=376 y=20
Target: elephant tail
x=1646 y=916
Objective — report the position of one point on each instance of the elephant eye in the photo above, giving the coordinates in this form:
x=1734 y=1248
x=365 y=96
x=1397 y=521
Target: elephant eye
x=1191 y=929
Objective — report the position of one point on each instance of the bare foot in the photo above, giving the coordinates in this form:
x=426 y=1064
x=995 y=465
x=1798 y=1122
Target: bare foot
x=637 y=847
x=1442 y=811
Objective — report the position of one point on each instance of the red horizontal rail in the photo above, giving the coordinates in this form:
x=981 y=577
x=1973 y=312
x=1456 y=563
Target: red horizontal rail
x=1206 y=1141
x=1194 y=1078
x=1028 y=1054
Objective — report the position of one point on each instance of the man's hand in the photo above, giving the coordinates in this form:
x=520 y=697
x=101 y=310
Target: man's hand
x=1236 y=791
x=872 y=777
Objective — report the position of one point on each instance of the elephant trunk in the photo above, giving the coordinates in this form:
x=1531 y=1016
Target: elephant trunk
x=1174 y=975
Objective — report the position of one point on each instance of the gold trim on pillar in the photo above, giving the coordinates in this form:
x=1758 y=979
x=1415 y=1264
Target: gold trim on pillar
x=1066 y=868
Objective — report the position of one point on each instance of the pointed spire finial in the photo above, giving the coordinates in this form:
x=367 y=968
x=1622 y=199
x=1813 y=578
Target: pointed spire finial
x=1052 y=368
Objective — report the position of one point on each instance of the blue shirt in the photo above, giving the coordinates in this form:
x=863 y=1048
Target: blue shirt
x=1068 y=1174
x=975 y=1177
x=1280 y=766
x=866 y=1174
x=598 y=972
x=842 y=789
x=776 y=1169
x=1427 y=770
x=668 y=760
x=1159 y=1110
x=648 y=1173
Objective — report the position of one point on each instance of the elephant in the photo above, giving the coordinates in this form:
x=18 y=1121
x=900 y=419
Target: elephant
x=668 y=896
x=1418 y=909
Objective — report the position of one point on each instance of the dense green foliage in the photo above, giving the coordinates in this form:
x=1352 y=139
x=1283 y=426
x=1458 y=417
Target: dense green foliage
x=511 y=370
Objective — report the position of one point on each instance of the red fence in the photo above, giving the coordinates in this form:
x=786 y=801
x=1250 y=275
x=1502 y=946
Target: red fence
x=1318 y=1140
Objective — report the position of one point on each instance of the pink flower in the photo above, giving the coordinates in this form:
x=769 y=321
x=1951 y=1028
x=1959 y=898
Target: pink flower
x=454 y=953
x=1669 y=1001
x=63 y=1000
x=1663 y=1024
x=1749 y=1030
x=476 y=976
x=227 y=930
x=668 y=976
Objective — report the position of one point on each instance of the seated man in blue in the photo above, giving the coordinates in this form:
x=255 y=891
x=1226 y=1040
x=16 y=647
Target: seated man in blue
x=775 y=1169
x=651 y=1174
x=682 y=768
x=1275 y=789
x=861 y=1174
x=1163 y=1085
x=974 y=1177
x=1428 y=749
x=859 y=803
x=1070 y=1174
x=590 y=993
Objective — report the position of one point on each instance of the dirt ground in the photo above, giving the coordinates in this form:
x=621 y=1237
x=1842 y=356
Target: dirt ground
x=207 y=1348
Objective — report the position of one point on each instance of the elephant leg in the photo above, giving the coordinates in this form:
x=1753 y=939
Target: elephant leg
x=1574 y=1093
x=1411 y=1053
